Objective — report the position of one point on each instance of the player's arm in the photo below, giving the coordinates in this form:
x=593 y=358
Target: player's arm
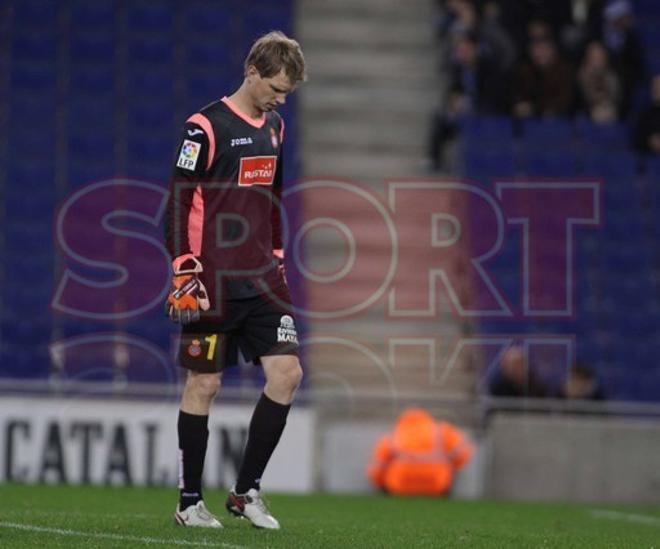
x=276 y=214
x=190 y=168
x=188 y=294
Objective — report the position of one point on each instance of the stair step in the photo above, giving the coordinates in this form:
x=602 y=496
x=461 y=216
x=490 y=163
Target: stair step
x=387 y=34
x=367 y=99
x=365 y=117
x=414 y=10
x=385 y=65
x=358 y=164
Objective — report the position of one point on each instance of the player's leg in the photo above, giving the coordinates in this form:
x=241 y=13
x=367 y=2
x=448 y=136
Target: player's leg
x=192 y=427
x=283 y=376
x=203 y=352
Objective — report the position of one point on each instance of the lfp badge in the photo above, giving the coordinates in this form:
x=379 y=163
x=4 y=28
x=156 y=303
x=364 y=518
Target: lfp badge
x=189 y=155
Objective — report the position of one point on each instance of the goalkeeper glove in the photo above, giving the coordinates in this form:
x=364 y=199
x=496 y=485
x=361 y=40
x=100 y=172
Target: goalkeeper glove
x=188 y=295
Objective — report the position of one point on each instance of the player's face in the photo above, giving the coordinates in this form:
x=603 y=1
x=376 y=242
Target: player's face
x=268 y=93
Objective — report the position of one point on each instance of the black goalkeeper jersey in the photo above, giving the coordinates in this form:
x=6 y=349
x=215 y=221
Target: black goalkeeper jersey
x=224 y=200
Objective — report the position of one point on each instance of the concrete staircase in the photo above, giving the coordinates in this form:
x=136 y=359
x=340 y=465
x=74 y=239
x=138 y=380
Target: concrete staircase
x=364 y=117
x=372 y=86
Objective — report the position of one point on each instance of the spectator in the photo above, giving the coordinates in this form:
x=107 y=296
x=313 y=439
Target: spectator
x=556 y=12
x=586 y=25
x=599 y=85
x=461 y=18
x=496 y=42
x=420 y=457
x=544 y=85
x=538 y=29
x=582 y=384
x=518 y=14
x=621 y=40
x=475 y=87
x=514 y=378
x=647 y=130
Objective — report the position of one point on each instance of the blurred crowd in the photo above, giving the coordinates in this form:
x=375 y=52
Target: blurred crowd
x=515 y=377
x=545 y=58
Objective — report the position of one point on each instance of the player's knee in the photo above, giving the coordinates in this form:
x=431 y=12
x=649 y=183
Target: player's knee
x=294 y=376
x=288 y=374
x=205 y=385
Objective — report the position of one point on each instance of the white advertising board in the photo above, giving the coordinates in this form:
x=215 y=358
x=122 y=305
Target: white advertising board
x=74 y=440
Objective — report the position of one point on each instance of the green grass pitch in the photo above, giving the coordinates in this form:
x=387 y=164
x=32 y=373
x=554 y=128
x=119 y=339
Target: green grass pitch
x=60 y=516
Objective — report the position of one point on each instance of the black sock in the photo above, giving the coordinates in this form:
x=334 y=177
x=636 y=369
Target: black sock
x=266 y=426
x=193 y=438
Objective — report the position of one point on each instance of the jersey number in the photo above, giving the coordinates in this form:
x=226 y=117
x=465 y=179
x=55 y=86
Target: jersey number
x=212 y=341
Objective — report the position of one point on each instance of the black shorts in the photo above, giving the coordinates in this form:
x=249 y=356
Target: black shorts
x=257 y=326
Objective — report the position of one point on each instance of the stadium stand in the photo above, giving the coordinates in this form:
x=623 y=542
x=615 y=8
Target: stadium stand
x=617 y=271
x=95 y=90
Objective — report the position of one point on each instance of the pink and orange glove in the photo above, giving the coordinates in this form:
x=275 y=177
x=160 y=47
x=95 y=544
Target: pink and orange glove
x=188 y=295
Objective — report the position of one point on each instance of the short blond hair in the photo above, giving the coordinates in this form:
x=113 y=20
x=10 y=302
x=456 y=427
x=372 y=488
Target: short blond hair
x=276 y=51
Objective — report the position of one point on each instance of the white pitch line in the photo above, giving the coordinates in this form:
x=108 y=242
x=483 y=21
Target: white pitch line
x=628 y=517
x=116 y=537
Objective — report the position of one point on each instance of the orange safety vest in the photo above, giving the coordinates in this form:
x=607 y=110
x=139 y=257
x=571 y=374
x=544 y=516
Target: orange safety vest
x=419 y=456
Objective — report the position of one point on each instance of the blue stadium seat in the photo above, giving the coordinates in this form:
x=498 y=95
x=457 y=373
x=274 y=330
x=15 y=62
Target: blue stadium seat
x=545 y=133
x=652 y=164
x=151 y=148
x=203 y=87
x=620 y=166
x=548 y=163
x=647 y=7
x=34 y=77
x=587 y=351
x=627 y=298
x=653 y=60
x=497 y=129
x=153 y=171
x=614 y=381
x=151 y=50
x=92 y=146
x=22 y=361
x=31 y=303
x=39 y=205
x=97 y=14
x=81 y=171
x=257 y=18
x=603 y=137
x=157 y=116
x=150 y=82
x=619 y=224
x=34 y=13
x=21 y=236
x=621 y=259
x=637 y=325
x=92 y=79
x=648 y=30
x=144 y=16
x=32 y=109
x=91 y=113
x=212 y=18
x=29 y=143
x=97 y=47
x=28 y=176
x=490 y=162
x=208 y=54
x=35 y=47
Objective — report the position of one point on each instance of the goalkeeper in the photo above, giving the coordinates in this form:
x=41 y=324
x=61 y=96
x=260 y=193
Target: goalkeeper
x=229 y=291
